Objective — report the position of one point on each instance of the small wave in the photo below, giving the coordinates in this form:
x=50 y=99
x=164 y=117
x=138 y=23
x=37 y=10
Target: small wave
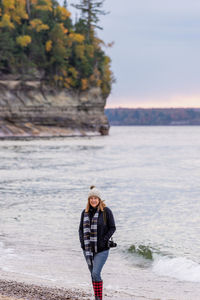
x=180 y=268
x=5 y=253
x=142 y=250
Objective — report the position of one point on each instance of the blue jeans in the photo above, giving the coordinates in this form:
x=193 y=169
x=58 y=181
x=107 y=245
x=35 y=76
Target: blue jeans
x=98 y=263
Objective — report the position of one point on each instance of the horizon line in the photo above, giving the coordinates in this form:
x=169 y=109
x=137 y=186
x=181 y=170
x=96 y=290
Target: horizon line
x=139 y=107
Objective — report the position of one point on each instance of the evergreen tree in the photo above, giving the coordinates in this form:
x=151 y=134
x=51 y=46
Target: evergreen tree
x=7 y=49
x=65 y=4
x=90 y=12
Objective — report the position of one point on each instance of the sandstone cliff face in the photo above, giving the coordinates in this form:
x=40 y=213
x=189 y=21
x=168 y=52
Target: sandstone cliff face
x=31 y=109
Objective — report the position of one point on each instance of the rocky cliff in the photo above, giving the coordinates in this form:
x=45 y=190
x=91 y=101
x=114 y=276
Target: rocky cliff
x=31 y=108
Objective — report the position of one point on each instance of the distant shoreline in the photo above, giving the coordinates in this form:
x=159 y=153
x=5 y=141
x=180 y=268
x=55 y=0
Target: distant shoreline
x=179 y=107
x=153 y=116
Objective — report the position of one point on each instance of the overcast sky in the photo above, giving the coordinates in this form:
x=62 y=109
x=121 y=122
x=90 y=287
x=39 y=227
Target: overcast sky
x=156 y=55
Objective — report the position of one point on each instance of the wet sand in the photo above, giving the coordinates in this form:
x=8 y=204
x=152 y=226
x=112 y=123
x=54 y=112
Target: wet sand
x=13 y=290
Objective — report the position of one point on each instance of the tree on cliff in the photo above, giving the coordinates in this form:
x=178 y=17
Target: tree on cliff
x=39 y=37
x=28 y=7
x=65 y=3
x=95 y=66
x=90 y=11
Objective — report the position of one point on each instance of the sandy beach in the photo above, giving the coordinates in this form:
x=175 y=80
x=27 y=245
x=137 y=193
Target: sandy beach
x=12 y=290
x=9 y=298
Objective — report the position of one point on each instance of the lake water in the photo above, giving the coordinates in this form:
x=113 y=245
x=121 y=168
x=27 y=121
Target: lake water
x=149 y=177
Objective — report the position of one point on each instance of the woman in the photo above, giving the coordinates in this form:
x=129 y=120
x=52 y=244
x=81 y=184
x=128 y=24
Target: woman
x=97 y=225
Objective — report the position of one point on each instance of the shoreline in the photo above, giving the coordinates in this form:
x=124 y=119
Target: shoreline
x=11 y=290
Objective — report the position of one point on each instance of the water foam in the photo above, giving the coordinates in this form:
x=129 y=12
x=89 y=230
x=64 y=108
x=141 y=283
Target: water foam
x=180 y=268
x=5 y=255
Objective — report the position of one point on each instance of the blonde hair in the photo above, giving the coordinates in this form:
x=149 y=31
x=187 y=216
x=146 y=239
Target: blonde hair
x=100 y=206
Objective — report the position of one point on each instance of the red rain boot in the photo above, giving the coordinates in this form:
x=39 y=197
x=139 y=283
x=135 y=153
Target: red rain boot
x=98 y=289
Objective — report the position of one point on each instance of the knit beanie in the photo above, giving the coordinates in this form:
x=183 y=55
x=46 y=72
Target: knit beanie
x=94 y=192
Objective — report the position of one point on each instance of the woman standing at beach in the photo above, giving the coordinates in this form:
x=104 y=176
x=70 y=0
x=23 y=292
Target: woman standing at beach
x=97 y=225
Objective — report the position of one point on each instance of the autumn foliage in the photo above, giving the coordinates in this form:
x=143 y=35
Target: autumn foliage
x=39 y=36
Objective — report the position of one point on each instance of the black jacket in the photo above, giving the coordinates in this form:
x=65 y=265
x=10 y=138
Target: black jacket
x=104 y=229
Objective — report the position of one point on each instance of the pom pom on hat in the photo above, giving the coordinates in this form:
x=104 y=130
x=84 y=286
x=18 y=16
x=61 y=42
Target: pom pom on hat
x=94 y=192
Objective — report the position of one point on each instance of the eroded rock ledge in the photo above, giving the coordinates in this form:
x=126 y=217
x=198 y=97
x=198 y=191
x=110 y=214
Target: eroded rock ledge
x=31 y=108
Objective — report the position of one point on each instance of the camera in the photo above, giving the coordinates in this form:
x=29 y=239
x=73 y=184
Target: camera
x=112 y=244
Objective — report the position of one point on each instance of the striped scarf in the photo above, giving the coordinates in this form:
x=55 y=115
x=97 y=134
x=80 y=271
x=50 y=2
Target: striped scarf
x=90 y=236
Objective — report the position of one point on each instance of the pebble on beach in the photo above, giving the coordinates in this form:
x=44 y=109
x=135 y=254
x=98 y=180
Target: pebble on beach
x=11 y=290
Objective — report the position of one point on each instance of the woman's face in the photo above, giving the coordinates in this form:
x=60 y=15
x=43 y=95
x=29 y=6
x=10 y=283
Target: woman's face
x=94 y=201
